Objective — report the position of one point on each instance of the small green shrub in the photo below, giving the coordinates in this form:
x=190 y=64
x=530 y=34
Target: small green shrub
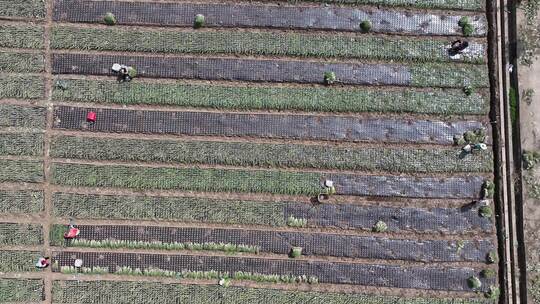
x=199 y=21
x=488 y=189
x=474 y=282
x=492 y=257
x=468 y=90
x=485 y=211
x=464 y=20
x=466 y=26
x=488 y=273
x=380 y=226
x=365 y=26
x=109 y=19
x=329 y=77
x=493 y=293
x=295 y=252
x=530 y=159
x=460 y=245
x=476 y=136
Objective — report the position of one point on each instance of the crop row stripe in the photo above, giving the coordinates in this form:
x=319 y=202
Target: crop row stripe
x=269 y=16
x=262 y=43
x=266 y=70
x=333 y=128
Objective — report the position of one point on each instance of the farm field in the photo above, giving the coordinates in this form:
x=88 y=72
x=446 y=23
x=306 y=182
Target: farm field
x=207 y=177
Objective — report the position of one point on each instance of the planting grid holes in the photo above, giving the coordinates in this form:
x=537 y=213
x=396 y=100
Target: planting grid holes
x=301 y=143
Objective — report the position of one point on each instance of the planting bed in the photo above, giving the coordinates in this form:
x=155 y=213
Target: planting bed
x=22 y=116
x=259 y=70
x=17 y=36
x=18 y=261
x=23 y=201
x=264 y=125
x=327 y=272
x=447 y=102
x=71 y=292
x=270 y=16
x=11 y=62
x=19 y=87
x=270 y=155
x=12 y=234
x=21 y=171
x=21 y=290
x=344 y=216
x=22 y=8
x=261 y=43
x=320 y=244
x=30 y=144
x=262 y=181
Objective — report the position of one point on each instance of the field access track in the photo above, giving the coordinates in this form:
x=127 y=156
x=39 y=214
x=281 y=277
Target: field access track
x=454 y=279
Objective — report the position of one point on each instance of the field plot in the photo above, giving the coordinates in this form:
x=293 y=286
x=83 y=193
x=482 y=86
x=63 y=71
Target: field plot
x=141 y=292
x=264 y=152
x=21 y=290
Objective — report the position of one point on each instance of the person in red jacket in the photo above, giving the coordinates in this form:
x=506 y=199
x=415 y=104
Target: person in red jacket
x=72 y=233
x=43 y=262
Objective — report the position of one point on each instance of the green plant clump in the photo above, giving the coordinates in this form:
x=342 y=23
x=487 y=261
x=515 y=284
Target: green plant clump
x=296 y=222
x=488 y=273
x=531 y=159
x=474 y=282
x=492 y=257
x=295 y=252
x=109 y=19
x=329 y=77
x=488 y=189
x=485 y=211
x=365 y=26
x=493 y=293
x=380 y=226
x=466 y=26
x=199 y=21
x=468 y=90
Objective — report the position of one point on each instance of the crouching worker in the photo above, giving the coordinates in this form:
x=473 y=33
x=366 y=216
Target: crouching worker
x=458 y=47
x=125 y=73
x=72 y=233
x=43 y=262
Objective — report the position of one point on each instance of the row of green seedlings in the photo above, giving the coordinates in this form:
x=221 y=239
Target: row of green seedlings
x=292 y=221
x=211 y=246
x=196 y=275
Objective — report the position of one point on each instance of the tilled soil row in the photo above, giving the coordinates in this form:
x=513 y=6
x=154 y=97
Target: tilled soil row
x=453 y=279
x=335 y=128
x=265 y=16
x=319 y=244
x=205 y=210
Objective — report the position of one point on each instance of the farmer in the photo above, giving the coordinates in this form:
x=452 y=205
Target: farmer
x=43 y=262
x=123 y=72
x=72 y=233
x=458 y=47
